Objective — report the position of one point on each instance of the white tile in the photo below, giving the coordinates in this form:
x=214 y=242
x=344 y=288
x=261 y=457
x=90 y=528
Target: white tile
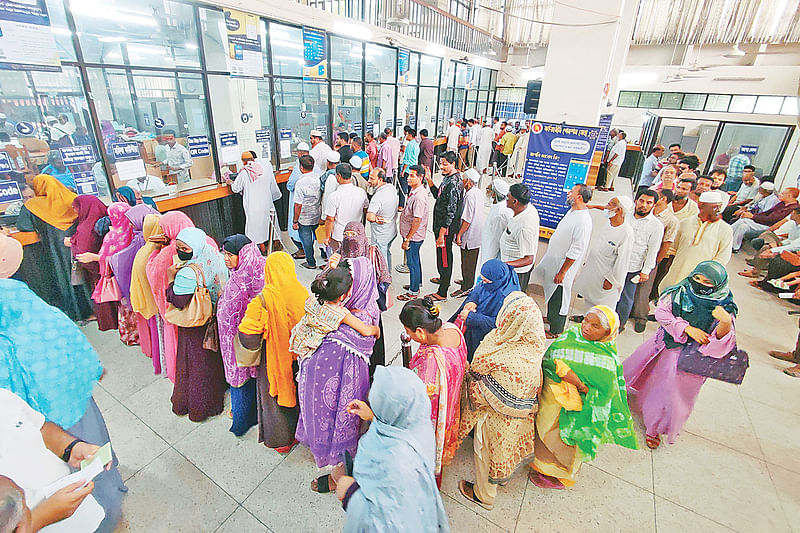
x=171 y=494
x=778 y=433
x=136 y=445
x=242 y=522
x=103 y=399
x=787 y=484
x=461 y=518
x=153 y=405
x=767 y=384
x=127 y=369
x=672 y=518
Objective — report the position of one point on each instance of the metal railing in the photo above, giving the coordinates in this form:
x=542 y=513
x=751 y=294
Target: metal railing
x=416 y=19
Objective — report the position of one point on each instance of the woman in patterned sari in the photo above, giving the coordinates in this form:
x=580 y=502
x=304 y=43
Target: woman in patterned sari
x=583 y=403
x=439 y=362
x=500 y=397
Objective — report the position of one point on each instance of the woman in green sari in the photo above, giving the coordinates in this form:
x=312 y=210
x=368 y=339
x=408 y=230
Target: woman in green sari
x=583 y=402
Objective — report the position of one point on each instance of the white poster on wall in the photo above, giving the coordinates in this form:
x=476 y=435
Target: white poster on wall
x=131 y=169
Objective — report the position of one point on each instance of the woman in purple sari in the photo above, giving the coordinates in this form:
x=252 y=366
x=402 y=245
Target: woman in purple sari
x=336 y=374
x=246 y=265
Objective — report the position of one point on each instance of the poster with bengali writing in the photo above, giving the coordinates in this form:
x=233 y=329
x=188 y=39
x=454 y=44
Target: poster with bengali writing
x=26 y=38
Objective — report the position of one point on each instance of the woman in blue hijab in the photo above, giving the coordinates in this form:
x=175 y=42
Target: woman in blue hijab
x=479 y=310
x=126 y=194
x=393 y=487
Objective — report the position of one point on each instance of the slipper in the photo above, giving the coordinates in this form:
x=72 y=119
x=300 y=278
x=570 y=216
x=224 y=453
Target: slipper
x=467 y=490
x=436 y=298
x=406 y=287
x=286 y=449
x=407 y=296
x=576 y=318
x=755 y=283
x=435 y=280
x=652 y=442
x=545 y=482
x=403 y=269
x=783 y=356
x=793 y=371
x=323 y=484
x=460 y=293
x=749 y=274
x=459 y=281
x=549 y=335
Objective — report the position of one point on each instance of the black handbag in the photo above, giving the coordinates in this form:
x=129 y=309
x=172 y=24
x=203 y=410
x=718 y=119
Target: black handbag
x=730 y=369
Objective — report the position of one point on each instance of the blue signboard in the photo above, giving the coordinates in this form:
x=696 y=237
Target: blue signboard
x=159 y=123
x=286 y=134
x=25 y=128
x=605 y=127
x=357 y=126
x=371 y=127
x=748 y=149
x=9 y=192
x=322 y=129
x=404 y=66
x=78 y=155
x=85 y=183
x=264 y=136
x=5 y=163
x=315 y=54
x=26 y=39
x=559 y=157
x=125 y=151
x=228 y=138
x=198 y=146
x=412 y=121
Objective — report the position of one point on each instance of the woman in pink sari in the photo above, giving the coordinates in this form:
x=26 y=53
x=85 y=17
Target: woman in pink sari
x=440 y=362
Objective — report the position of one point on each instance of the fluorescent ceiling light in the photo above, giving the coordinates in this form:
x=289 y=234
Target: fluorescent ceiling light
x=147 y=49
x=190 y=46
x=636 y=79
x=101 y=12
x=436 y=50
x=356 y=31
x=536 y=73
x=288 y=44
x=112 y=39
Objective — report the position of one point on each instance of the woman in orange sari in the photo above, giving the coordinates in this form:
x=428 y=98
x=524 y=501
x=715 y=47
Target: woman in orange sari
x=440 y=363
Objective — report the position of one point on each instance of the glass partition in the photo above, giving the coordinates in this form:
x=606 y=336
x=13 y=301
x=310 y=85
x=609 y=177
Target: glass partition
x=287 y=50
x=380 y=107
x=429 y=70
x=346 y=100
x=300 y=106
x=761 y=145
x=426 y=114
x=381 y=63
x=346 y=59
x=406 y=106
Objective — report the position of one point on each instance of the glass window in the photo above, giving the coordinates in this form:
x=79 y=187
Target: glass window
x=742 y=103
x=429 y=70
x=152 y=33
x=628 y=99
x=287 y=50
x=445 y=109
x=346 y=99
x=38 y=131
x=428 y=97
x=769 y=105
x=159 y=111
x=243 y=106
x=58 y=25
x=215 y=40
x=718 y=102
x=484 y=81
x=459 y=97
x=481 y=110
x=381 y=63
x=406 y=105
x=461 y=75
x=380 y=107
x=761 y=144
x=346 y=59
x=413 y=69
x=470 y=111
x=671 y=100
x=649 y=100
x=694 y=102
x=449 y=73
x=300 y=106
x=789 y=106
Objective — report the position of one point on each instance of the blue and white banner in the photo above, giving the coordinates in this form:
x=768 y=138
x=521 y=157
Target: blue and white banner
x=315 y=54
x=78 y=155
x=198 y=145
x=558 y=158
x=9 y=192
x=605 y=127
x=228 y=138
x=5 y=163
x=264 y=136
x=244 y=44
x=85 y=183
x=404 y=66
x=748 y=149
x=125 y=151
x=26 y=39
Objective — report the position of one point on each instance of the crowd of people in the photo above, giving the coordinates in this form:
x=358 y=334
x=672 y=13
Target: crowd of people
x=309 y=366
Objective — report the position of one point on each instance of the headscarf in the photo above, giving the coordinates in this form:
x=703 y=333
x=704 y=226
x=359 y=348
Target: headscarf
x=254 y=170
x=130 y=197
x=53 y=202
x=696 y=308
x=171 y=224
x=44 y=357
x=356 y=245
x=603 y=416
x=234 y=243
x=10 y=256
x=118 y=237
x=489 y=297
x=519 y=332
x=209 y=259
x=245 y=282
x=122 y=261
x=90 y=209
x=284 y=299
x=142 y=300
x=363 y=303
x=395 y=460
x=609 y=318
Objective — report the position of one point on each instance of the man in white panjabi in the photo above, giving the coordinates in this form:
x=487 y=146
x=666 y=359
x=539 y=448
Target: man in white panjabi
x=705 y=237
x=516 y=163
x=256 y=183
x=600 y=280
x=565 y=252
x=484 y=147
x=319 y=150
x=496 y=222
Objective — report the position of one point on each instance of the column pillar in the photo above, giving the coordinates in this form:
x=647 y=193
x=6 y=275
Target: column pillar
x=581 y=60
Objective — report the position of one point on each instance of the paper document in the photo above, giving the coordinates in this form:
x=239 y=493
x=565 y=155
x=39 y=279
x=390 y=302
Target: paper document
x=88 y=471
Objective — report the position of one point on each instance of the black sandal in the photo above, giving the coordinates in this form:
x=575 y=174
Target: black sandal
x=467 y=490
x=323 y=484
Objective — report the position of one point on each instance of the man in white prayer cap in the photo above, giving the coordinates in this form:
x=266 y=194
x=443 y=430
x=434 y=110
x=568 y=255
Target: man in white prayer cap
x=301 y=149
x=468 y=237
x=705 y=237
x=319 y=150
x=605 y=266
x=496 y=221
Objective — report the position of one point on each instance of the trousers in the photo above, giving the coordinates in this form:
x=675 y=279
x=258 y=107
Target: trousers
x=469 y=262
x=554 y=317
x=444 y=264
x=625 y=303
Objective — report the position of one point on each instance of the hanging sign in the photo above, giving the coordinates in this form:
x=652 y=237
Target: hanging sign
x=605 y=127
x=85 y=183
x=26 y=39
x=159 y=123
x=403 y=66
x=229 y=143
x=5 y=163
x=748 y=149
x=125 y=150
x=244 y=44
x=25 y=128
x=357 y=126
x=9 y=192
x=198 y=145
x=559 y=156
x=78 y=155
x=315 y=54
x=264 y=136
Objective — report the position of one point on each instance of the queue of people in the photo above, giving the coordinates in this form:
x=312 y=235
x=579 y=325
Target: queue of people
x=308 y=365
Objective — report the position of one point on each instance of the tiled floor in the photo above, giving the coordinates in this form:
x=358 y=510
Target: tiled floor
x=736 y=465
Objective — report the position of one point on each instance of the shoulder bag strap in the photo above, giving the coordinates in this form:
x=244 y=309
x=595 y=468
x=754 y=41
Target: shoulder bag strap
x=198 y=274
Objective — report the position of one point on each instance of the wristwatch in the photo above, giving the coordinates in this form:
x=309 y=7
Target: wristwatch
x=68 y=450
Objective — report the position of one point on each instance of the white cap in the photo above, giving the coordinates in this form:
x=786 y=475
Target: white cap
x=303 y=147
x=712 y=197
x=334 y=157
x=501 y=187
x=451 y=121
x=315 y=133
x=767 y=186
x=355 y=162
x=472 y=175
x=625 y=203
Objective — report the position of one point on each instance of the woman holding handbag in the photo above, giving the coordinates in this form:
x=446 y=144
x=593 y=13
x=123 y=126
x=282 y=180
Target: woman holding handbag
x=701 y=309
x=196 y=281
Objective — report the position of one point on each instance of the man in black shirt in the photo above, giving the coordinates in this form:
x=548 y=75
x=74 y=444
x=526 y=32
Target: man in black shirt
x=446 y=220
x=343 y=147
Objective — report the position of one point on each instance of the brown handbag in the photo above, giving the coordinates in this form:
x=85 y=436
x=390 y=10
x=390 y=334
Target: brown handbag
x=199 y=310
x=246 y=356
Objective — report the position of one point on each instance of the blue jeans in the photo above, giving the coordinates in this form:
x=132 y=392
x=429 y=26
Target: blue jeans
x=626 y=298
x=307 y=239
x=384 y=248
x=414 y=266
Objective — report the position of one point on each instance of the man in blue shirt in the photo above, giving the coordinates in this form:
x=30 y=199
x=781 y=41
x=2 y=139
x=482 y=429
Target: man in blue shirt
x=650 y=168
x=410 y=158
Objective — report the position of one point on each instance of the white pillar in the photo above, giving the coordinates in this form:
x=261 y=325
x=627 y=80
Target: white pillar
x=581 y=60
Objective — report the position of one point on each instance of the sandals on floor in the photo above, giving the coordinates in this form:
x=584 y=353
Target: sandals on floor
x=783 y=356
x=323 y=484
x=793 y=371
x=436 y=298
x=407 y=296
x=549 y=335
x=435 y=280
x=749 y=274
x=653 y=442
x=544 y=482
x=467 y=490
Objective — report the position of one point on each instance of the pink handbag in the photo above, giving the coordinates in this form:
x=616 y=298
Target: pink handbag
x=109 y=290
